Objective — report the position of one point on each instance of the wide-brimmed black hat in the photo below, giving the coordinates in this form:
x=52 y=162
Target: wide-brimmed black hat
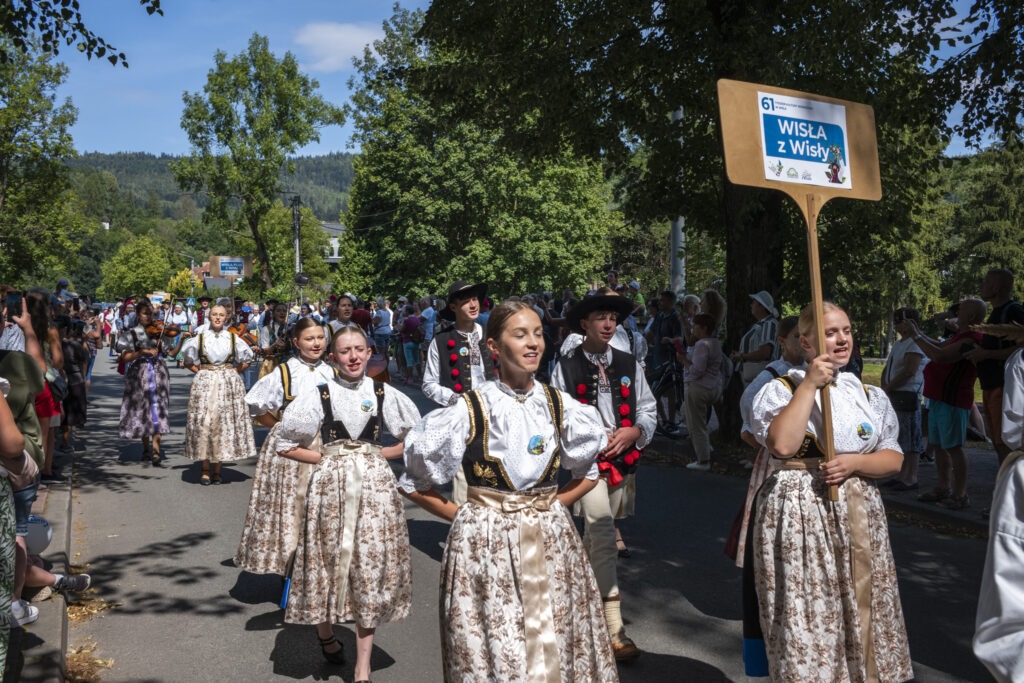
x=459 y=290
x=204 y=298
x=619 y=305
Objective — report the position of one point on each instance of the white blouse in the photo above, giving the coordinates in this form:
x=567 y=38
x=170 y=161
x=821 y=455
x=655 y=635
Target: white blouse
x=353 y=403
x=217 y=347
x=267 y=395
x=435 y=446
x=127 y=342
x=860 y=423
x=781 y=367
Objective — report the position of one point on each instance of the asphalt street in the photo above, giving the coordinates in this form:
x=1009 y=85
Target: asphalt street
x=159 y=548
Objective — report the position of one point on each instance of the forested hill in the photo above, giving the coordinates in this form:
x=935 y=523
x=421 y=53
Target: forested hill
x=321 y=181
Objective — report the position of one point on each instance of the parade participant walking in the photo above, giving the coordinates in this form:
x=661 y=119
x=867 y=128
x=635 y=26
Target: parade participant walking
x=458 y=359
x=273 y=523
x=275 y=341
x=217 y=428
x=352 y=562
x=613 y=381
x=826 y=582
x=510 y=437
x=146 y=401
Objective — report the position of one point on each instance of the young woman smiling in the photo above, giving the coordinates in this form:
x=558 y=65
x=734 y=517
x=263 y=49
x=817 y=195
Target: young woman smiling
x=510 y=437
x=273 y=523
x=352 y=560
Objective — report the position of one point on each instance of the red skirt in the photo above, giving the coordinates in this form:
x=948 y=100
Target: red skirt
x=45 y=405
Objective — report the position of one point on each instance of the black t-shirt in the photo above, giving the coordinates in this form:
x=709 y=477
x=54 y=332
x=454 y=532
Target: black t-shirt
x=990 y=372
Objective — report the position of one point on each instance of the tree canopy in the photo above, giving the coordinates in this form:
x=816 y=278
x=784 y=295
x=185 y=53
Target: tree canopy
x=140 y=266
x=255 y=110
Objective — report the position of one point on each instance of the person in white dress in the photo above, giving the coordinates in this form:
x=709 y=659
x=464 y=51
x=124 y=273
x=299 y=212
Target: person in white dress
x=277 y=502
x=217 y=428
x=825 y=578
x=519 y=601
x=352 y=561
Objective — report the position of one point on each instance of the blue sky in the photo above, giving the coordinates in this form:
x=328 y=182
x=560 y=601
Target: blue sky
x=138 y=109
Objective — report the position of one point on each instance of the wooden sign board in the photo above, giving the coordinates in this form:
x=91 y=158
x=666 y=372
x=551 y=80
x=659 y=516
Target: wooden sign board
x=798 y=143
x=230 y=266
x=813 y=148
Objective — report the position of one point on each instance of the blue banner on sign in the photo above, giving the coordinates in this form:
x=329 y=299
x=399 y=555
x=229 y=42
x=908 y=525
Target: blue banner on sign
x=802 y=140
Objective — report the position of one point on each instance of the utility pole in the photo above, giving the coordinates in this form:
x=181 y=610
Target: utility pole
x=678 y=236
x=296 y=203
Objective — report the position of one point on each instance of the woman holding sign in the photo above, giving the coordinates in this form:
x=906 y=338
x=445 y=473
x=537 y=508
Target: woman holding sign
x=826 y=583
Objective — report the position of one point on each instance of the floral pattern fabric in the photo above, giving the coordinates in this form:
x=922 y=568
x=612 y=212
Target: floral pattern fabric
x=218 y=427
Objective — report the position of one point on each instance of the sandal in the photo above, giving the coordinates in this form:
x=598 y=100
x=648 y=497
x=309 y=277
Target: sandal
x=157 y=459
x=333 y=656
x=620 y=545
x=204 y=479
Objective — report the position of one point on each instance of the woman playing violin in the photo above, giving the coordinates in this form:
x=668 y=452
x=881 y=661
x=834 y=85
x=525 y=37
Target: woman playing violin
x=144 y=408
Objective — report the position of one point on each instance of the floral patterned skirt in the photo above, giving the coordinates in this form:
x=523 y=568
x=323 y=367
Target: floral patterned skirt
x=378 y=584
x=482 y=617
x=147 y=398
x=805 y=589
x=7 y=547
x=277 y=507
x=218 y=427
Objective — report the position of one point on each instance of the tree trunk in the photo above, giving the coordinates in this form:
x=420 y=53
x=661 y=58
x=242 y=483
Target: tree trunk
x=753 y=261
x=261 y=252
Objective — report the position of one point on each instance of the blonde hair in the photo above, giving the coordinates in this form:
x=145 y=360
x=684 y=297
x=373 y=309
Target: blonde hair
x=345 y=331
x=806 y=324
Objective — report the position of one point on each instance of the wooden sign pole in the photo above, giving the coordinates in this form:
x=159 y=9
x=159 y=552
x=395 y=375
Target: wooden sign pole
x=747 y=149
x=810 y=208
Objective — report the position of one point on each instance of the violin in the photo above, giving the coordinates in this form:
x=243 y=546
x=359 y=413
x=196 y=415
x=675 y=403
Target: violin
x=241 y=330
x=157 y=329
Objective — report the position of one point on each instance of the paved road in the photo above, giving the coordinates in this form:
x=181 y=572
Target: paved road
x=160 y=546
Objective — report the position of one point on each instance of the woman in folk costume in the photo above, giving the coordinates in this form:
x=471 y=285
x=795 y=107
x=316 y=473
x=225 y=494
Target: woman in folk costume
x=352 y=561
x=273 y=523
x=144 y=407
x=825 y=579
x=180 y=319
x=519 y=601
x=218 y=428
x=275 y=340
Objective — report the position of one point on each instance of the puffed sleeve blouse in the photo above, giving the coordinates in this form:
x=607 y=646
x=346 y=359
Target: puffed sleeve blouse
x=435 y=446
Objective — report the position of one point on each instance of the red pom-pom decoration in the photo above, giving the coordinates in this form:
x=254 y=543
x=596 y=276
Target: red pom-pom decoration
x=623 y=410
x=626 y=422
x=581 y=389
x=584 y=401
x=624 y=391
x=455 y=372
x=451 y=343
x=632 y=457
x=454 y=358
x=458 y=388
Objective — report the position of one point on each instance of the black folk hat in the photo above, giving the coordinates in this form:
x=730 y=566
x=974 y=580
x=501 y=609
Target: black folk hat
x=460 y=290
x=619 y=305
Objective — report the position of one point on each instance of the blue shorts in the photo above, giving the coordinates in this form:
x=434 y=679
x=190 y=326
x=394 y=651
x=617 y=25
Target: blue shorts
x=947 y=424
x=412 y=353
x=23 y=507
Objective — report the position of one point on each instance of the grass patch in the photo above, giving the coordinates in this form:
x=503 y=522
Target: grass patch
x=872 y=374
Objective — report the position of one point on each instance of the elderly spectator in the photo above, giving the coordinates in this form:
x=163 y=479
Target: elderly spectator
x=949 y=388
x=903 y=380
x=757 y=347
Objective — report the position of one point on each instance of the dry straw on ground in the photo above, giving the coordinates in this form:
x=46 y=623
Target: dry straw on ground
x=83 y=666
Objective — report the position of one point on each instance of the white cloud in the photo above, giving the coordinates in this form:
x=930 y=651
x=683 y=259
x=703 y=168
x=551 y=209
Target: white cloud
x=331 y=46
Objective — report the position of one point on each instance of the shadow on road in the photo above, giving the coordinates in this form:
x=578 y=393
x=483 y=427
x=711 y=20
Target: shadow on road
x=653 y=666
x=296 y=653
x=257 y=589
x=427 y=537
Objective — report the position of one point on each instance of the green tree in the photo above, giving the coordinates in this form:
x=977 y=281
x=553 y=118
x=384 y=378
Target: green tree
x=183 y=283
x=255 y=110
x=50 y=25
x=433 y=202
x=39 y=224
x=142 y=265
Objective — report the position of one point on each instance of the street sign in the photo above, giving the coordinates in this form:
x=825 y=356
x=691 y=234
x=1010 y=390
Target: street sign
x=230 y=266
x=190 y=301
x=804 y=141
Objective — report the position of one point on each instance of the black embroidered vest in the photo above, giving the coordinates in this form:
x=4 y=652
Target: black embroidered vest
x=483 y=470
x=334 y=430
x=453 y=355
x=581 y=380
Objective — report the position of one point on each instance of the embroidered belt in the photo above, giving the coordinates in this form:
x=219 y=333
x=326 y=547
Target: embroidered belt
x=542 y=659
x=216 y=366
x=354 y=469
x=860 y=554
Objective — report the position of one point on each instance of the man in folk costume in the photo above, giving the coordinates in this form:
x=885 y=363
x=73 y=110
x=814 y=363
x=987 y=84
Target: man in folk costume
x=598 y=374
x=202 y=314
x=458 y=359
